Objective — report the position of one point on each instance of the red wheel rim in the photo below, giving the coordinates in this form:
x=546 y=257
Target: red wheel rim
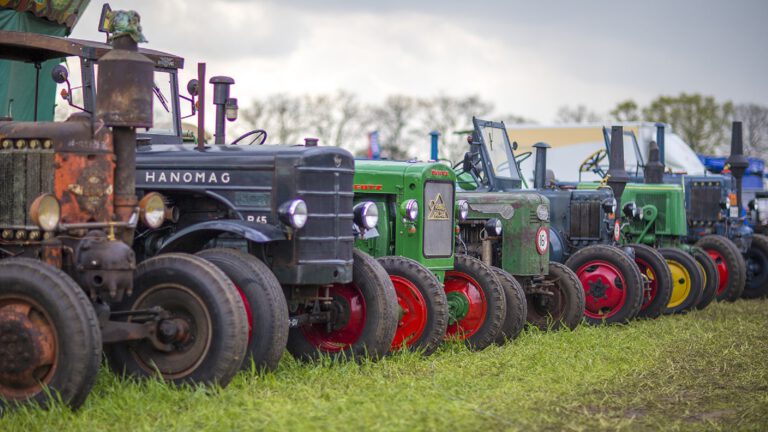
x=413 y=312
x=650 y=294
x=722 y=269
x=349 y=304
x=468 y=288
x=603 y=288
x=248 y=311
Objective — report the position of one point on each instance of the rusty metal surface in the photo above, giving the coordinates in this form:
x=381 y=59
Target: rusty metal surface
x=104 y=267
x=52 y=252
x=27 y=347
x=125 y=86
x=31 y=47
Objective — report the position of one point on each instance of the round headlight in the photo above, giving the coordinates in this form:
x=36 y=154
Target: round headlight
x=411 y=208
x=632 y=211
x=463 y=209
x=45 y=211
x=609 y=205
x=542 y=212
x=152 y=210
x=366 y=214
x=493 y=227
x=294 y=213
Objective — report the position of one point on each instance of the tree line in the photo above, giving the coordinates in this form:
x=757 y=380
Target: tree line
x=404 y=122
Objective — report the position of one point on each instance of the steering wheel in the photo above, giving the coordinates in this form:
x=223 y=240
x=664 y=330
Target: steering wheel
x=259 y=135
x=592 y=163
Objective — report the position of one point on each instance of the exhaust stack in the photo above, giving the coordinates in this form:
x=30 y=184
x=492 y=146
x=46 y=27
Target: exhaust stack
x=617 y=174
x=654 y=169
x=737 y=160
x=660 y=141
x=540 y=169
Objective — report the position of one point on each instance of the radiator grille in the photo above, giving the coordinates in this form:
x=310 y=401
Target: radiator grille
x=704 y=201
x=25 y=175
x=438 y=219
x=585 y=220
x=328 y=233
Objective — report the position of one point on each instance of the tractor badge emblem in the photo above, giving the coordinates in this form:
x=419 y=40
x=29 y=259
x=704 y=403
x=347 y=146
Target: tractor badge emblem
x=437 y=209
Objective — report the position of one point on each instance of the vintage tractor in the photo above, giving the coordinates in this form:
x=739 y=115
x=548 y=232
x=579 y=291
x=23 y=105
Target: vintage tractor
x=619 y=282
x=440 y=293
x=67 y=219
x=509 y=228
x=279 y=221
x=656 y=217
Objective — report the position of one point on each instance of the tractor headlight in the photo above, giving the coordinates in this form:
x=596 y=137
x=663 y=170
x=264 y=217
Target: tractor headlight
x=293 y=213
x=463 y=206
x=542 y=212
x=410 y=209
x=609 y=205
x=45 y=212
x=752 y=205
x=366 y=214
x=152 y=210
x=632 y=211
x=493 y=227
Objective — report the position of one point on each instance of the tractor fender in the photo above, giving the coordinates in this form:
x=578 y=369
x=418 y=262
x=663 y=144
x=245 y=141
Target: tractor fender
x=556 y=246
x=194 y=237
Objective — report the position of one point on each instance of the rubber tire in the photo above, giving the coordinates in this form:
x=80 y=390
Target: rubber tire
x=661 y=271
x=496 y=307
x=697 y=278
x=734 y=261
x=431 y=290
x=569 y=288
x=260 y=289
x=517 y=308
x=711 y=276
x=381 y=315
x=74 y=319
x=229 y=323
x=757 y=286
x=627 y=267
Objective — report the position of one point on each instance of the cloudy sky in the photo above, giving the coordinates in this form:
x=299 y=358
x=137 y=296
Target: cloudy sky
x=527 y=57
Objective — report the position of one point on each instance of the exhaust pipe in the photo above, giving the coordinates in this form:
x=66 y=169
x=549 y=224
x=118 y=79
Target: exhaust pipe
x=221 y=86
x=617 y=174
x=540 y=169
x=654 y=169
x=737 y=160
x=660 y=141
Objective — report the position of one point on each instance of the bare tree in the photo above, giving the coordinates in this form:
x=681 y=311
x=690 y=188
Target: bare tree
x=755 y=120
x=446 y=115
x=577 y=114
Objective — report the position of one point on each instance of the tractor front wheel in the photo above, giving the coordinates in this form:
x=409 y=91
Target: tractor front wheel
x=365 y=317
x=422 y=302
x=517 y=308
x=757 y=268
x=731 y=266
x=687 y=280
x=50 y=342
x=653 y=266
x=711 y=276
x=476 y=303
x=202 y=335
x=557 y=301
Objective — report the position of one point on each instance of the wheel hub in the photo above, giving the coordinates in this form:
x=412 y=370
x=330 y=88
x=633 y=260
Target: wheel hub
x=27 y=348
x=458 y=307
x=598 y=288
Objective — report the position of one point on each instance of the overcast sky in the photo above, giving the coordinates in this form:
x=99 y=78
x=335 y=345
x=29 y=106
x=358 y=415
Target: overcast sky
x=528 y=58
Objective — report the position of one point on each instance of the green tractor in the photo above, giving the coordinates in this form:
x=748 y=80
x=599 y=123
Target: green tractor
x=655 y=216
x=440 y=293
x=509 y=228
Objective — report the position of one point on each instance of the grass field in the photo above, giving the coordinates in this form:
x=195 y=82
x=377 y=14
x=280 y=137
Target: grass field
x=705 y=370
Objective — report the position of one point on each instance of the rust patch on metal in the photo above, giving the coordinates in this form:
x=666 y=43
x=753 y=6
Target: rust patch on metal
x=84 y=184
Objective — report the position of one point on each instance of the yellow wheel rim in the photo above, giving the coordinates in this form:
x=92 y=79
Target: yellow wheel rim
x=681 y=283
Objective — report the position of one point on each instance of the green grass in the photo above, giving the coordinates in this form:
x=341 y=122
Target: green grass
x=705 y=370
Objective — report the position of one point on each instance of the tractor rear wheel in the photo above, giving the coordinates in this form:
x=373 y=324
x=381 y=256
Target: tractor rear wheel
x=514 y=320
x=264 y=302
x=422 y=302
x=205 y=332
x=711 y=276
x=652 y=264
x=730 y=266
x=613 y=286
x=50 y=341
x=557 y=302
x=366 y=317
x=476 y=303
x=687 y=280
x=757 y=268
